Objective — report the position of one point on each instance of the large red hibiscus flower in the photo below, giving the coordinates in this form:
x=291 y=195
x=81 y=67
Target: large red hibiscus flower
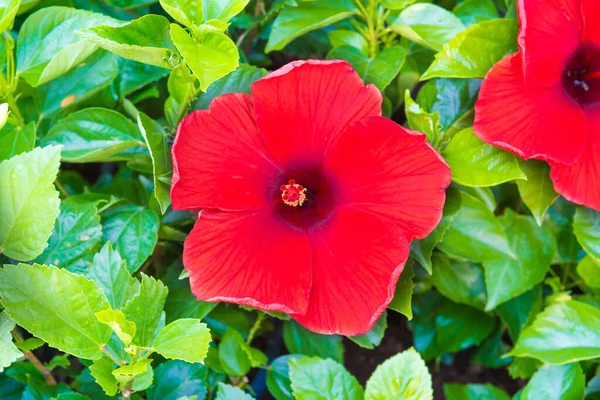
x=309 y=197
x=544 y=101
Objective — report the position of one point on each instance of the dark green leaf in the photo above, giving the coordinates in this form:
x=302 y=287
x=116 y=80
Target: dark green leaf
x=175 y=379
x=278 y=377
x=16 y=140
x=373 y=338
x=300 y=340
x=518 y=311
x=473 y=11
x=537 y=191
x=460 y=281
x=586 y=226
x=456 y=391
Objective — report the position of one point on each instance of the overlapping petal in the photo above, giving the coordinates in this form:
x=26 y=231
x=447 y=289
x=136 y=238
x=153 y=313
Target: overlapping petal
x=220 y=159
x=305 y=105
x=358 y=258
x=249 y=258
x=531 y=122
x=590 y=13
x=398 y=177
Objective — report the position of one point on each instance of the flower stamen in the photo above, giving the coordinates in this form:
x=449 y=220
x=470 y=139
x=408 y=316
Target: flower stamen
x=293 y=194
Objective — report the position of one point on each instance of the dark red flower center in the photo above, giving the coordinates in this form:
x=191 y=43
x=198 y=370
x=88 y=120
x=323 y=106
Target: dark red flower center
x=581 y=78
x=306 y=205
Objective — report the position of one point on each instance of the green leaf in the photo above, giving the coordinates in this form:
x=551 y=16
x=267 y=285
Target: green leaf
x=586 y=226
x=476 y=163
x=228 y=392
x=184 y=339
x=562 y=333
x=293 y=22
x=124 y=329
x=537 y=191
x=422 y=121
x=145 y=40
x=518 y=311
x=238 y=81
x=48 y=46
x=534 y=247
x=345 y=37
x=234 y=359
x=3 y=106
x=476 y=234
x=181 y=86
x=473 y=52
x=181 y=303
x=75 y=238
x=523 y=368
x=160 y=152
x=30 y=344
x=174 y=379
x=8 y=11
x=145 y=309
x=278 y=377
x=134 y=75
x=78 y=84
x=102 y=370
x=456 y=391
x=133 y=230
x=404 y=376
x=110 y=273
x=589 y=269
x=94 y=135
x=8 y=352
x=300 y=340
x=213 y=58
x=460 y=281
x=223 y=10
x=556 y=382
x=129 y=372
x=56 y=306
x=373 y=338
x=28 y=202
x=189 y=13
x=379 y=70
x=16 y=140
x=316 y=379
x=471 y=12
x=428 y=25
x=404 y=291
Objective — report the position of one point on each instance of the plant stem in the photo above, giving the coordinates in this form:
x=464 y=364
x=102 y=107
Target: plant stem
x=113 y=358
x=34 y=360
x=254 y=329
x=62 y=188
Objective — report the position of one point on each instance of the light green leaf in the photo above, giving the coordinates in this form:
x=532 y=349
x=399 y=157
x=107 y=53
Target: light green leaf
x=293 y=22
x=228 y=392
x=145 y=309
x=182 y=86
x=586 y=226
x=8 y=11
x=189 y=13
x=404 y=291
x=8 y=352
x=379 y=70
x=47 y=45
x=345 y=37
x=562 y=333
x=456 y=391
x=129 y=372
x=475 y=234
x=556 y=382
x=460 y=281
x=94 y=135
x=184 y=339
x=233 y=358
x=223 y=10
x=473 y=52
x=213 y=58
x=428 y=25
x=471 y=12
x=16 y=140
x=537 y=191
x=56 y=306
x=300 y=340
x=102 y=370
x=4 y=111
x=133 y=230
x=110 y=273
x=373 y=338
x=421 y=120
x=28 y=202
x=160 y=152
x=589 y=269
x=145 y=40
x=124 y=329
x=476 y=163
x=316 y=379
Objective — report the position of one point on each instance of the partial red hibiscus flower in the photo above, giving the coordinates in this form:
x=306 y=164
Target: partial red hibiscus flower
x=309 y=197
x=544 y=101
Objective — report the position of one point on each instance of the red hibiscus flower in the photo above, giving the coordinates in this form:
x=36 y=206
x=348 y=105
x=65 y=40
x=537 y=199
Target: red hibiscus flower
x=544 y=101
x=309 y=197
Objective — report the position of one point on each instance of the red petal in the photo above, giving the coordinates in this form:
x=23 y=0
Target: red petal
x=303 y=106
x=531 y=122
x=220 y=159
x=244 y=258
x=392 y=172
x=549 y=36
x=580 y=182
x=590 y=13
x=358 y=259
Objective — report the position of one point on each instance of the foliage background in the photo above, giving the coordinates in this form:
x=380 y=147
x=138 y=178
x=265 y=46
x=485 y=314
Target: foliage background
x=505 y=290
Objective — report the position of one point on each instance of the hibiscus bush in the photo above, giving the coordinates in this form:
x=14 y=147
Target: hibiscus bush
x=299 y=199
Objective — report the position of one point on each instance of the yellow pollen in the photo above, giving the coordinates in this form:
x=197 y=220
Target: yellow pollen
x=293 y=194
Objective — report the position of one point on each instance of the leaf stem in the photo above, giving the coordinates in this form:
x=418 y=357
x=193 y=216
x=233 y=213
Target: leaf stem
x=62 y=188
x=111 y=356
x=254 y=329
x=34 y=360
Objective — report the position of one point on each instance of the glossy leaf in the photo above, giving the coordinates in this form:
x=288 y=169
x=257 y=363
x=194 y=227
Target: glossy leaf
x=223 y=10
x=300 y=340
x=278 y=377
x=456 y=391
x=586 y=226
x=520 y=310
x=315 y=378
x=556 y=382
x=460 y=281
x=175 y=379
x=184 y=339
x=233 y=358
x=8 y=11
x=589 y=269
x=16 y=140
x=421 y=120
x=537 y=191
x=145 y=309
x=346 y=37
x=404 y=291
x=189 y=13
